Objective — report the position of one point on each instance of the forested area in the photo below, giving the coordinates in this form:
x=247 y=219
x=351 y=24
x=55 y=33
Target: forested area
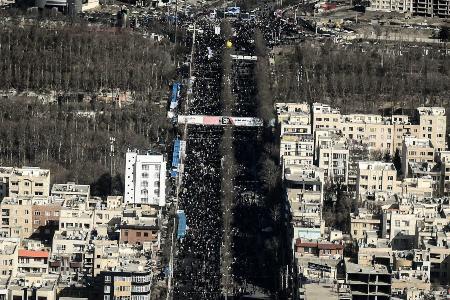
x=82 y=60
x=363 y=77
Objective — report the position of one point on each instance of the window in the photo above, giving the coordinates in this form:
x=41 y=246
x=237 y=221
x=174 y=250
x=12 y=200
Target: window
x=107 y=289
x=107 y=278
x=126 y=233
x=138 y=234
x=14 y=183
x=105 y=297
x=27 y=183
x=38 y=193
x=38 y=184
x=397 y=222
x=145 y=234
x=37 y=213
x=144 y=183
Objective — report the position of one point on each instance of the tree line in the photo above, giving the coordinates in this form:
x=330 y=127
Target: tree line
x=364 y=78
x=78 y=57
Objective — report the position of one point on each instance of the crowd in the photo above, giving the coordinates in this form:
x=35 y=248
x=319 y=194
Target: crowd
x=198 y=270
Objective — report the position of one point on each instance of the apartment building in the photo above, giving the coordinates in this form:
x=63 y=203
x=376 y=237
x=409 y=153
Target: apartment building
x=402 y=6
x=139 y=227
x=25 y=181
x=363 y=222
x=333 y=158
x=45 y=216
x=318 y=248
x=9 y=250
x=296 y=150
x=33 y=286
x=106 y=256
x=72 y=253
x=33 y=261
x=76 y=214
x=71 y=190
x=433 y=125
x=304 y=193
x=444 y=160
x=131 y=280
x=418 y=150
x=145 y=179
x=376 y=175
x=17 y=217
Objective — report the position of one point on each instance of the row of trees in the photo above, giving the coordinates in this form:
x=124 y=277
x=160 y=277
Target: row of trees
x=81 y=58
x=363 y=77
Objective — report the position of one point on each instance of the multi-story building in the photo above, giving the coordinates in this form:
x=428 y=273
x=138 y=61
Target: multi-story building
x=45 y=216
x=324 y=116
x=140 y=227
x=17 y=217
x=296 y=150
x=433 y=125
x=33 y=261
x=372 y=282
x=333 y=158
x=130 y=280
x=304 y=194
x=70 y=190
x=39 y=286
x=26 y=181
x=9 y=250
x=444 y=160
x=419 y=150
x=145 y=179
x=361 y=223
x=403 y=6
x=376 y=175
x=72 y=253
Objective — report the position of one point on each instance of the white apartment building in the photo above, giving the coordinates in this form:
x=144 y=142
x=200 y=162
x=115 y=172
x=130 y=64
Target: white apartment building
x=376 y=176
x=296 y=150
x=333 y=158
x=145 y=179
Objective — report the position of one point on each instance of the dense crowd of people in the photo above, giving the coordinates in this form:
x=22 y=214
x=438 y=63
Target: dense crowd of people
x=198 y=271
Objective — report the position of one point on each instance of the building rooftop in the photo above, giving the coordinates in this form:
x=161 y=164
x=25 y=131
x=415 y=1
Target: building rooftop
x=356 y=268
x=70 y=188
x=375 y=165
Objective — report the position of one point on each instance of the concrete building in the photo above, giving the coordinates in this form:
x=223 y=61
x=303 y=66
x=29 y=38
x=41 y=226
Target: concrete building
x=333 y=158
x=368 y=282
x=304 y=193
x=33 y=261
x=318 y=248
x=71 y=190
x=145 y=179
x=9 y=250
x=361 y=223
x=433 y=125
x=17 y=217
x=33 y=286
x=376 y=175
x=419 y=150
x=296 y=150
x=25 y=181
x=131 y=280
x=45 y=216
x=444 y=160
x=324 y=116
x=140 y=227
